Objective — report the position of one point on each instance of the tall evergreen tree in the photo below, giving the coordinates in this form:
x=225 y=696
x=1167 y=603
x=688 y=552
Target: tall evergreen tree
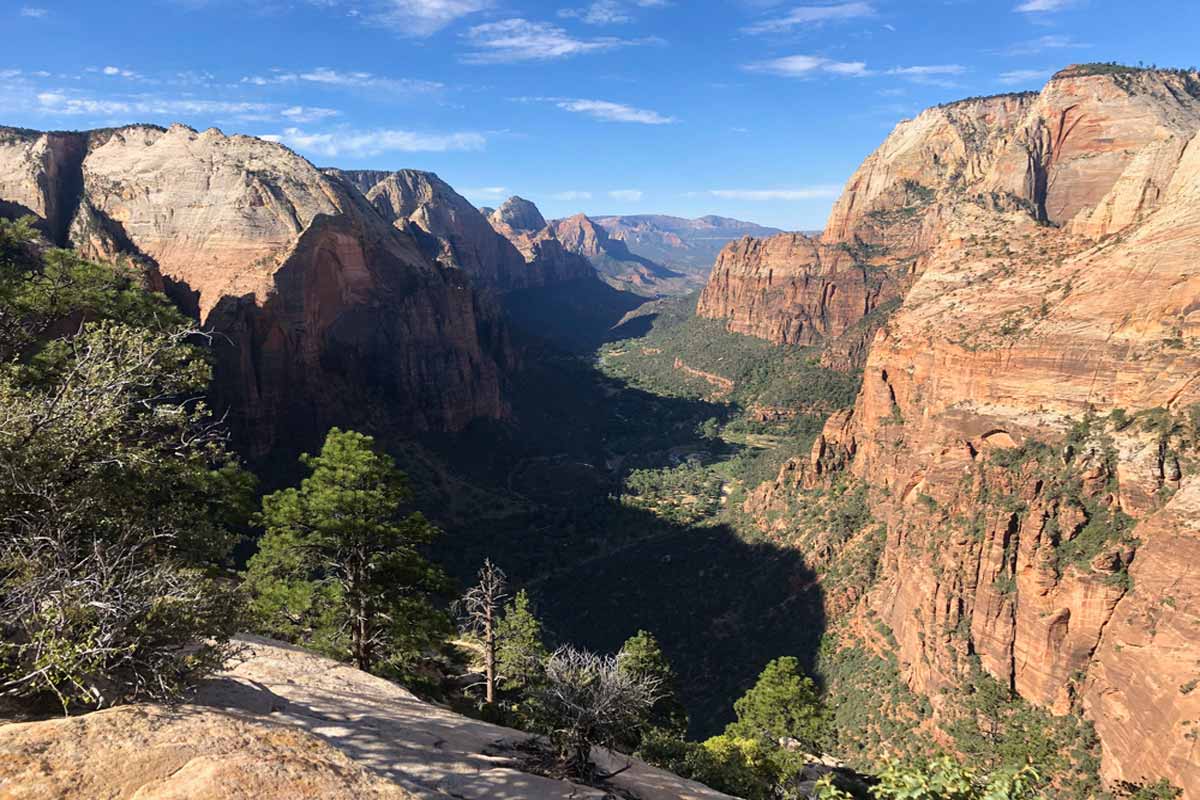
x=340 y=566
x=642 y=656
x=520 y=652
x=783 y=704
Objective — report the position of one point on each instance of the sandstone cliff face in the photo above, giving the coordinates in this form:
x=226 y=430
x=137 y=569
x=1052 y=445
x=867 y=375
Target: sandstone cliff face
x=520 y=222
x=784 y=289
x=613 y=260
x=316 y=297
x=1055 y=281
x=454 y=233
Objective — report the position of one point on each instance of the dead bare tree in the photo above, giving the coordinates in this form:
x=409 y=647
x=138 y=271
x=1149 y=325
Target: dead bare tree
x=479 y=610
x=587 y=701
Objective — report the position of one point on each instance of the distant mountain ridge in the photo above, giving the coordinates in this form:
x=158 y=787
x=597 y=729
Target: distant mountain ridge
x=679 y=243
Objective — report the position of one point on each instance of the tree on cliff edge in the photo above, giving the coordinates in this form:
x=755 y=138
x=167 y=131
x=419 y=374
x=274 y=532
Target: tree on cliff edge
x=340 y=569
x=117 y=493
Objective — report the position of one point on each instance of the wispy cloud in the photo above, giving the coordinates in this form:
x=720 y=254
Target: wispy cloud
x=802 y=66
x=805 y=193
x=573 y=194
x=419 y=18
x=512 y=40
x=307 y=113
x=626 y=195
x=355 y=143
x=615 y=112
x=1042 y=6
x=934 y=74
x=812 y=15
x=486 y=192
x=324 y=76
x=601 y=12
x=1024 y=76
x=60 y=102
x=929 y=69
x=33 y=12
x=1041 y=44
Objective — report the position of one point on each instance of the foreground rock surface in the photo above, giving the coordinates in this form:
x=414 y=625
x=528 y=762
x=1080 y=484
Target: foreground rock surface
x=284 y=723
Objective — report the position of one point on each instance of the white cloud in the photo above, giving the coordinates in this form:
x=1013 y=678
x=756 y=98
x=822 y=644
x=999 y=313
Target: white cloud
x=1039 y=6
x=512 y=40
x=487 y=192
x=626 y=195
x=325 y=76
x=806 y=193
x=307 y=113
x=1042 y=43
x=810 y=15
x=614 y=112
x=601 y=12
x=1026 y=76
x=60 y=102
x=418 y=18
x=118 y=72
x=573 y=195
x=375 y=142
x=801 y=66
x=929 y=69
x=32 y=12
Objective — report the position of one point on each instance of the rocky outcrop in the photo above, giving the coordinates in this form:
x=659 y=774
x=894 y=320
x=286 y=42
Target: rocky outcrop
x=455 y=234
x=519 y=222
x=613 y=260
x=314 y=296
x=284 y=723
x=1054 y=294
x=788 y=290
x=518 y=214
x=156 y=753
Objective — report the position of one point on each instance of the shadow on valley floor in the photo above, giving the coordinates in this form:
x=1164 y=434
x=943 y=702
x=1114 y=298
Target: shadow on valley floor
x=540 y=495
x=548 y=512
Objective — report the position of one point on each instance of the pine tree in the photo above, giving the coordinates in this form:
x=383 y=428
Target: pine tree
x=783 y=704
x=340 y=566
x=642 y=656
x=520 y=652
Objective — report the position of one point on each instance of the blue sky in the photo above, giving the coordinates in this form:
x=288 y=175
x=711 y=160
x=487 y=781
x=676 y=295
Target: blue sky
x=756 y=109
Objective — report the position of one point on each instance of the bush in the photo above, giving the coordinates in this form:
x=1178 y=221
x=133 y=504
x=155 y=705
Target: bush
x=587 y=701
x=118 y=494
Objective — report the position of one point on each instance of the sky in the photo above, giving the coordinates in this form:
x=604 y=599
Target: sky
x=755 y=109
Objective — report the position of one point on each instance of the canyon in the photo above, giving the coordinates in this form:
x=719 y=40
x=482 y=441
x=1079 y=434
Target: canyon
x=1014 y=278
x=1033 y=386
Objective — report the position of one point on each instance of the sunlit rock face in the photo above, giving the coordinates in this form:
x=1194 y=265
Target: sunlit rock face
x=1046 y=247
x=325 y=311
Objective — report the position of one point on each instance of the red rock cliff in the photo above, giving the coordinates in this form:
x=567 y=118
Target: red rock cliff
x=1055 y=280
x=326 y=312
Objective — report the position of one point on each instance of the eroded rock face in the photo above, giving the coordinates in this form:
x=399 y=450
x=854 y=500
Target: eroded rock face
x=1054 y=279
x=519 y=214
x=614 y=262
x=454 y=233
x=1090 y=153
x=315 y=296
x=519 y=222
x=785 y=289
